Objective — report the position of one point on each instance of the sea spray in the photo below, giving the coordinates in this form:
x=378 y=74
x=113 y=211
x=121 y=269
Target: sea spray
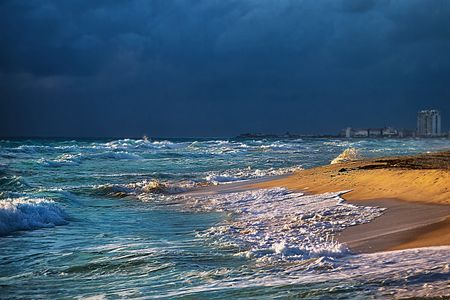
x=240 y=174
x=349 y=154
x=156 y=244
x=25 y=214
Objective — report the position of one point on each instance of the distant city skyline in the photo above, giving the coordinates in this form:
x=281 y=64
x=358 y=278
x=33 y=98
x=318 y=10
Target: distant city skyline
x=220 y=68
x=429 y=123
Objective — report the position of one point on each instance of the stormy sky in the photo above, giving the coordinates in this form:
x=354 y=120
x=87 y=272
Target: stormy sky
x=220 y=68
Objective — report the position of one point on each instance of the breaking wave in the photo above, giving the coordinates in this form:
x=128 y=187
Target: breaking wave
x=246 y=173
x=62 y=160
x=155 y=186
x=349 y=154
x=403 y=274
x=125 y=144
x=141 y=188
x=76 y=159
x=28 y=214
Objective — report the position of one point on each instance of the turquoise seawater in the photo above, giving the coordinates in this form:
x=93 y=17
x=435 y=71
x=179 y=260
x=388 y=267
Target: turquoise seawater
x=111 y=219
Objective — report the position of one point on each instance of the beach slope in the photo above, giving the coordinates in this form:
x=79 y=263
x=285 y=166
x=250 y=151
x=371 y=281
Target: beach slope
x=414 y=189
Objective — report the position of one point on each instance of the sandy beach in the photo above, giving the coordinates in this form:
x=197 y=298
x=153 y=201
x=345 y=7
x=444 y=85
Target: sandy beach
x=414 y=189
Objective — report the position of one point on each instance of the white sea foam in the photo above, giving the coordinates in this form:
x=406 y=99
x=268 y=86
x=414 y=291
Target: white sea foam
x=277 y=224
x=29 y=148
x=26 y=214
x=170 y=145
x=279 y=146
x=143 y=188
x=246 y=173
x=220 y=147
x=349 y=154
x=126 y=144
x=69 y=159
x=422 y=272
x=62 y=160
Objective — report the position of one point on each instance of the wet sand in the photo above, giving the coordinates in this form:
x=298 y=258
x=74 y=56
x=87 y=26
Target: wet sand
x=403 y=225
x=414 y=189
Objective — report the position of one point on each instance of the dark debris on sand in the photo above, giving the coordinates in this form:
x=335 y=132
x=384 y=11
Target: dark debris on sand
x=435 y=160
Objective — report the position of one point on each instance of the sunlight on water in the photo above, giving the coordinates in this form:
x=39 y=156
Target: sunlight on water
x=109 y=219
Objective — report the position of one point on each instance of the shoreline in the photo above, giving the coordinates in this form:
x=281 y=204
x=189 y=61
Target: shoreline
x=403 y=225
x=415 y=190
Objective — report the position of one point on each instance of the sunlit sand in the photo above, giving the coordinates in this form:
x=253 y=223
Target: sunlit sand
x=415 y=189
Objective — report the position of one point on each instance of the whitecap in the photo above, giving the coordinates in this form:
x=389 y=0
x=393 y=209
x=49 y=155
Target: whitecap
x=279 y=146
x=143 y=188
x=62 y=160
x=170 y=145
x=240 y=174
x=27 y=214
x=349 y=154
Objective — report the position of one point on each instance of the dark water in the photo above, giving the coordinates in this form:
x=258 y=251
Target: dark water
x=103 y=219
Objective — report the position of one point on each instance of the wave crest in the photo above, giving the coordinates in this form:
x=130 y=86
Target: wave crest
x=349 y=154
x=245 y=174
x=28 y=214
x=62 y=160
x=76 y=159
x=141 y=188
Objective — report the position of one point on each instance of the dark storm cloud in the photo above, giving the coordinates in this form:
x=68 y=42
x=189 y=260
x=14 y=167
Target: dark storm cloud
x=220 y=67
x=420 y=21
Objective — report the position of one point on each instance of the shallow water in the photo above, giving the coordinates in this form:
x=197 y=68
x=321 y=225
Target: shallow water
x=108 y=218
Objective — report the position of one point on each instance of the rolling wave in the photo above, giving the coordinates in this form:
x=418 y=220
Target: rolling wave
x=141 y=188
x=28 y=214
x=240 y=174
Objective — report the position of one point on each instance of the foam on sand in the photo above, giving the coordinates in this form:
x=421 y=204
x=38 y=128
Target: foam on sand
x=272 y=224
x=27 y=214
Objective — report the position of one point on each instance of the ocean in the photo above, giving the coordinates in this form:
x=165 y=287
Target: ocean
x=112 y=219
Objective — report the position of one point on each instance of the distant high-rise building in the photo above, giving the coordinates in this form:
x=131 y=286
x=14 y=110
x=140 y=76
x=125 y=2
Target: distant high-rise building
x=429 y=123
x=348 y=132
